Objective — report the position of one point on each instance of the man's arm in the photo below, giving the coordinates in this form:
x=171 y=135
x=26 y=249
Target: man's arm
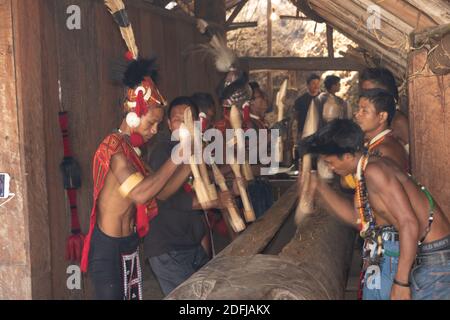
x=340 y=206
x=175 y=182
x=150 y=186
x=387 y=187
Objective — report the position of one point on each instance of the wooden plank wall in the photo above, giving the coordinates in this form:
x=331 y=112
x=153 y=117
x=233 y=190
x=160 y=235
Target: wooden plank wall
x=429 y=114
x=15 y=272
x=80 y=61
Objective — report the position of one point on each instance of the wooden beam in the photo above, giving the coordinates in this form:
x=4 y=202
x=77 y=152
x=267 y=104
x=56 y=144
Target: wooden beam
x=235 y=12
x=425 y=36
x=405 y=22
x=230 y=4
x=409 y=14
x=342 y=21
x=240 y=25
x=305 y=7
x=439 y=59
x=283 y=17
x=306 y=64
x=330 y=44
x=438 y=10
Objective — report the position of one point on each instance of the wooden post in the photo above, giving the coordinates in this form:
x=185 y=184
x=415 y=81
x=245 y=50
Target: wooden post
x=429 y=120
x=330 y=44
x=236 y=12
x=24 y=232
x=269 y=46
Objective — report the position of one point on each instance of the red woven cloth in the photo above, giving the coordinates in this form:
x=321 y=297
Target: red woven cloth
x=112 y=145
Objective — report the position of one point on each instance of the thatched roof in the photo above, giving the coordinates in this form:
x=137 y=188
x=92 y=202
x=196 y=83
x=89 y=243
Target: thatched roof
x=387 y=45
x=390 y=43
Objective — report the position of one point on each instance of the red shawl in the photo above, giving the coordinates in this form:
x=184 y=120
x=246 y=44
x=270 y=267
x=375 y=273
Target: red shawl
x=112 y=145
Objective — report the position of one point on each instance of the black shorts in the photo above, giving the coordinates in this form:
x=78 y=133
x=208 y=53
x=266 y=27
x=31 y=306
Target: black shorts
x=114 y=267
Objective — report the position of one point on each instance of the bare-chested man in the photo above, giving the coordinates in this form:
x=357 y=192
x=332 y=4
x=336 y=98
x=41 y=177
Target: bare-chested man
x=376 y=110
x=375 y=115
x=382 y=78
x=422 y=268
x=124 y=191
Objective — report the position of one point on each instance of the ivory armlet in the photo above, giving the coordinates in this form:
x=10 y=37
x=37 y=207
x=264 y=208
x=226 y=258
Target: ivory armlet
x=129 y=184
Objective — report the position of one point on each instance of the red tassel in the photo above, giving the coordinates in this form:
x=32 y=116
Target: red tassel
x=221 y=227
x=74 y=247
x=136 y=140
x=144 y=215
x=139 y=100
x=246 y=112
x=75 y=242
x=187 y=187
x=75 y=223
x=203 y=123
x=129 y=56
x=141 y=105
x=64 y=126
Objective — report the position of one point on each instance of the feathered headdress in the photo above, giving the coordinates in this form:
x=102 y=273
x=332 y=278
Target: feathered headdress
x=234 y=88
x=140 y=74
x=120 y=15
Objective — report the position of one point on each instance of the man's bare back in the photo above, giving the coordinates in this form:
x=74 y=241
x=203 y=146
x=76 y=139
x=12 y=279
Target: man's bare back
x=392 y=149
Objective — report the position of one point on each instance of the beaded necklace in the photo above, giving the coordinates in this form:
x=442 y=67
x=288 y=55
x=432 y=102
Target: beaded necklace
x=366 y=216
x=378 y=139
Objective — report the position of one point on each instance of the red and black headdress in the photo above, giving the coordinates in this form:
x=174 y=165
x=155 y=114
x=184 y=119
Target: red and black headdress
x=140 y=74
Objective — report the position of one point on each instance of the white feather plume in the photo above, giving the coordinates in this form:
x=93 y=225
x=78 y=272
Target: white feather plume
x=223 y=56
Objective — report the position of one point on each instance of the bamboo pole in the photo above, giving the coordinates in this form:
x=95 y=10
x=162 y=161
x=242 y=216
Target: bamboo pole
x=232 y=213
x=306 y=203
x=200 y=187
x=249 y=213
x=236 y=123
x=281 y=106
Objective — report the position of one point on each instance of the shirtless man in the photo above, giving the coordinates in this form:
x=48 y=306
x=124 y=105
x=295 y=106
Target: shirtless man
x=375 y=115
x=124 y=191
x=385 y=191
x=383 y=79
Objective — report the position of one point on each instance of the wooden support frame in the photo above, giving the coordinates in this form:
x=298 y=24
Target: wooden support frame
x=330 y=43
x=235 y=12
x=306 y=64
x=240 y=25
